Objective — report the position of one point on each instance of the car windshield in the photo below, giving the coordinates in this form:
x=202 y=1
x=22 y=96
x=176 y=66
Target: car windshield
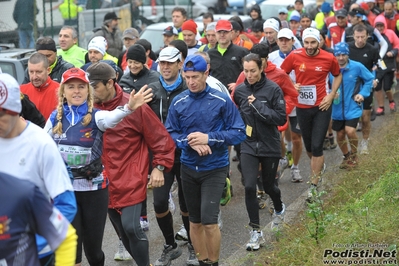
x=156 y=42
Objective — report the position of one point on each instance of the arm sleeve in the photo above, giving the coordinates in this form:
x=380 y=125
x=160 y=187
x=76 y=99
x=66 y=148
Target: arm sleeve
x=65 y=254
x=383 y=43
x=49 y=222
x=109 y=119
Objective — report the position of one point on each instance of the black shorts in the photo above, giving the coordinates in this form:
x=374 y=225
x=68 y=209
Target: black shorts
x=294 y=125
x=386 y=81
x=202 y=191
x=368 y=101
x=338 y=125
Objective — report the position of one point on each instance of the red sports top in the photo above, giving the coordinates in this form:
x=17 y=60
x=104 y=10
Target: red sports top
x=311 y=72
x=44 y=97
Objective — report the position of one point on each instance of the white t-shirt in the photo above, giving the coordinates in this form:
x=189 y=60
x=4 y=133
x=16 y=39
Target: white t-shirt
x=33 y=155
x=217 y=85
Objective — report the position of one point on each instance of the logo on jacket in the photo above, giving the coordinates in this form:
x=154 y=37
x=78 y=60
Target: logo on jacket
x=302 y=67
x=318 y=68
x=87 y=134
x=4 y=227
x=365 y=55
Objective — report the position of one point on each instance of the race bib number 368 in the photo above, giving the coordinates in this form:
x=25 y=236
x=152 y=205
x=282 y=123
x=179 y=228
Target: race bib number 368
x=307 y=95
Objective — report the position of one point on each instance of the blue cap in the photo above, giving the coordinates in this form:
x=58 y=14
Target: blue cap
x=341 y=48
x=198 y=63
x=325 y=7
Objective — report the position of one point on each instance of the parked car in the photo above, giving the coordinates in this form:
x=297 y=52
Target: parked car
x=14 y=61
x=236 y=7
x=210 y=4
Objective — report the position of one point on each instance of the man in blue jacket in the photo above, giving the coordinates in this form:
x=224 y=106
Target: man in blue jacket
x=348 y=106
x=203 y=122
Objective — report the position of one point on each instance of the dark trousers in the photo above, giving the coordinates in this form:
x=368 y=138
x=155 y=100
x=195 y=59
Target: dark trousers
x=250 y=170
x=133 y=237
x=89 y=223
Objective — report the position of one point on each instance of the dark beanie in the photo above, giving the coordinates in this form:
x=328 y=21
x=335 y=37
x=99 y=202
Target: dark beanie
x=136 y=52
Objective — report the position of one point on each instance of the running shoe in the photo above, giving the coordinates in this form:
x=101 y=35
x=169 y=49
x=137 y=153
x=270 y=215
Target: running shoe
x=226 y=195
x=344 y=163
x=256 y=240
x=289 y=158
x=122 y=254
x=295 y=175
x=333 y=144
x=192 y=257
x=278 y=219
x=283 y=163
x=312 y=193
x=392 y=107
x=145 y=224
x=168 y=254
x=380 y=111
x=326 y=144
x=364 y=146
x=353 y=161
x=181 y=234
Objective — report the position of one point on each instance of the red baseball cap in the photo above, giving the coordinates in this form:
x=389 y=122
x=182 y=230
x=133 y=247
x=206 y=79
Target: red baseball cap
x=75 y=73
x=224 y=25
x=338 y=4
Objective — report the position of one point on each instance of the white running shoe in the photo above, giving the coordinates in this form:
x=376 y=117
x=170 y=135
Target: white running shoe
x=256 y=240
x=312 y=193
x=278 y=219
x=181 y=234
x=122 y=253
x=295 y=175
x=364 y=146
x=283 y=163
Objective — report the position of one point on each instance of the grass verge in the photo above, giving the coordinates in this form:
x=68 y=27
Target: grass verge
x=359 y=211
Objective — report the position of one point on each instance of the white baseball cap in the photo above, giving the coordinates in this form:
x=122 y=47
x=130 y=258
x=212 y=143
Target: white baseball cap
x=285 y=33
x=10 y=96
x=169 y=54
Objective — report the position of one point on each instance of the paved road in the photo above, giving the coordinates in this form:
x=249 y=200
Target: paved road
x=235 y=232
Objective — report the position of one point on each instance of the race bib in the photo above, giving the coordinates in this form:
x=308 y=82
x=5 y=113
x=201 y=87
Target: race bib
x=75 y=156
x=307 y=95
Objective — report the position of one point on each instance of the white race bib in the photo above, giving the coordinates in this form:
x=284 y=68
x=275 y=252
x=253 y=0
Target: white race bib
x=75 y=156
x=307 y=95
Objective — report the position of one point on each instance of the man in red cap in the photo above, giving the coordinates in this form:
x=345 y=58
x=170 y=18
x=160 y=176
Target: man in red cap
x=226 y=57
x=189 y=31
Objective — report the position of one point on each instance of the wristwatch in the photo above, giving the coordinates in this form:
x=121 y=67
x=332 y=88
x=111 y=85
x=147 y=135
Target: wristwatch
x=160 y=167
